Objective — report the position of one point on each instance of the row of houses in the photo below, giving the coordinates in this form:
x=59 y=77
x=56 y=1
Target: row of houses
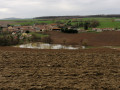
x=48 y=27
x=103 y=29
x=35 y=28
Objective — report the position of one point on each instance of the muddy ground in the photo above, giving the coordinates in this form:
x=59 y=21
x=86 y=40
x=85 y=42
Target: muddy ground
x=92 y=69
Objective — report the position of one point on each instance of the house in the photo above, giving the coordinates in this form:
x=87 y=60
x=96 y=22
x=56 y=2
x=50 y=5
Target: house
x=103 y=29
x=26 y=28
x=43 y=28
x=97 y=29
x=54 y=24
x=108 y=29
x=40 y=28
x=56 y=29
x=13 y=33
x=10 y=27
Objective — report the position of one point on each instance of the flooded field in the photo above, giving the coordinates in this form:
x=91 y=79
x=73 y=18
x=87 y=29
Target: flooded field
x=40 y=45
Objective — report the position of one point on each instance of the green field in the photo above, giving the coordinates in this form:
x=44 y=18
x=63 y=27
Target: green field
x=104 y=22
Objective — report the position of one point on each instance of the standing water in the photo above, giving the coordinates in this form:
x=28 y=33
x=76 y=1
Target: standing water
x=40 y=45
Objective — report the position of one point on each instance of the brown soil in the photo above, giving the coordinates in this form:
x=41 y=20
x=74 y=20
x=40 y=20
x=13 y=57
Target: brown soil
x=32 y=69
x=111 y=38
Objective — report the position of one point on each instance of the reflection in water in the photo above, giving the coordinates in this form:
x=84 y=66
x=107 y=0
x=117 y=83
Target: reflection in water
x=40 y=45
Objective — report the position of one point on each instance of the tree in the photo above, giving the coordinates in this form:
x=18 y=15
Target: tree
x=81 y=24
x=86 y=25
x=94 y=23
x=69 y=23
x=66 y=30
x=1 y=29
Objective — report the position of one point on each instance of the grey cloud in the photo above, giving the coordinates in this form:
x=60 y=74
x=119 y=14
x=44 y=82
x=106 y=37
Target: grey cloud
x=35 y=8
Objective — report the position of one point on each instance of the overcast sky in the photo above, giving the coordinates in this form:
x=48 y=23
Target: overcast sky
x=36 y=8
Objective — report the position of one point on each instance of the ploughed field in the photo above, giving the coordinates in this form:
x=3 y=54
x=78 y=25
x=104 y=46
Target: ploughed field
x=59 y=69
x=108 y=38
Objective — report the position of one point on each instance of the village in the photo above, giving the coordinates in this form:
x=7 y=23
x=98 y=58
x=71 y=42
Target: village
x=34 y=28
x=48 y=27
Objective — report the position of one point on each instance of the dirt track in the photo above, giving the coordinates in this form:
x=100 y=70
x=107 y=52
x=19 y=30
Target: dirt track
x=59 y=69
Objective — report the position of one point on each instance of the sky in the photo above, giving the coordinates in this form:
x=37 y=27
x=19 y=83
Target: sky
x=36 y=8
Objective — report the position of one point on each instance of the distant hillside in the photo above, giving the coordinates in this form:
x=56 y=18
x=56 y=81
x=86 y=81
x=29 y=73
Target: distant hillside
x=13 y=18
x=70 y=17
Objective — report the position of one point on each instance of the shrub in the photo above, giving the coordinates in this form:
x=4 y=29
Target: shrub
x=35 y=38
x=27 y=31
x=64 y=42
x=8 y=40
x=69 y=31
x=94 y=24
x=84 y=42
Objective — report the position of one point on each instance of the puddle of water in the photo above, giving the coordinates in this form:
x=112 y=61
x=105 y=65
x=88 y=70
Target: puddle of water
x=40 y=45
